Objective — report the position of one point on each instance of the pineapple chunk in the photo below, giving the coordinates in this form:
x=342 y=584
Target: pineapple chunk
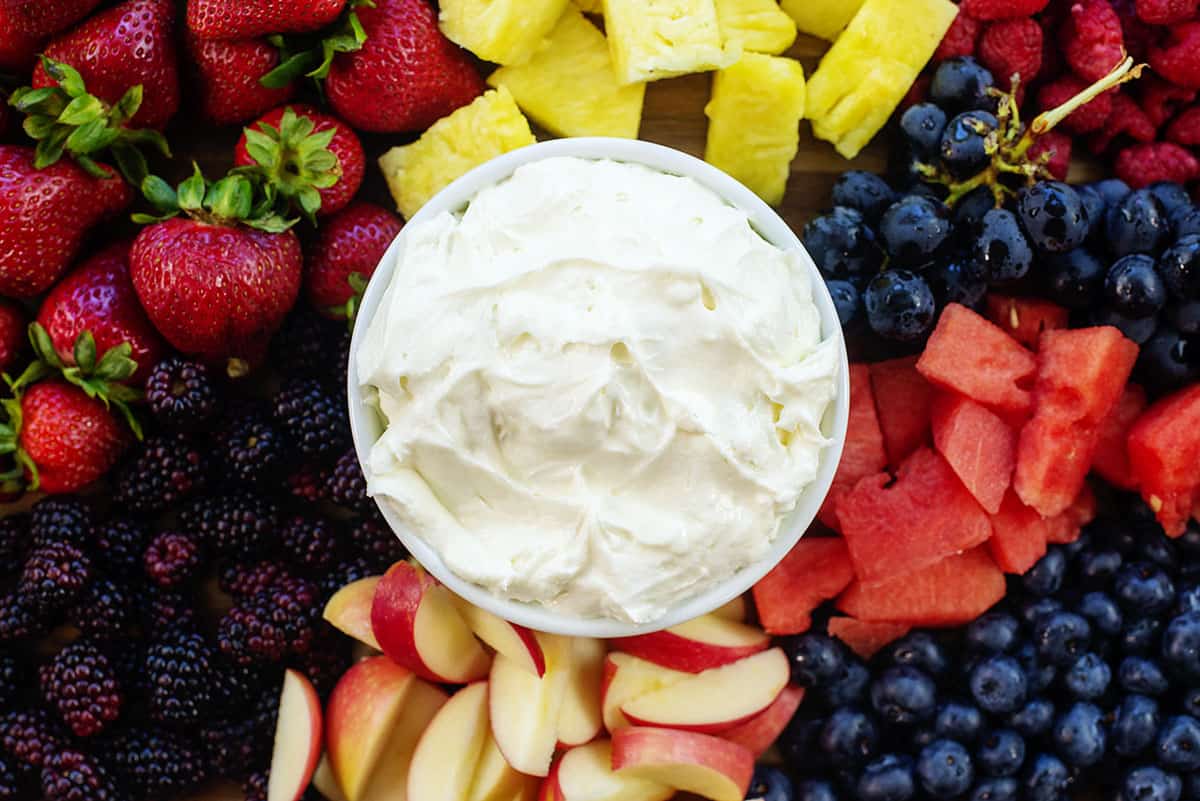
x=503 y=31
x=590 y=6
x=824 y=19
x=871 y=66
x=569 y=87
x=760 y=25
x=454 y=145
x=754 y=122
x=653 y=39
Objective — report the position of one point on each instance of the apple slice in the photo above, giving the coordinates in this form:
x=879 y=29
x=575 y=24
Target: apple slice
x=627 y=677
x=736 y=610
x=760 y=732
x=585 y=773
x=325 y=782
x=525 y=709
x=349 y=610
x=390 y=781
x=697 y=645
x=446 y=757
x=298 y=732
x=716 y=699
x=495 y=779
x=579 y=717
x=515 y=642
x=417 y=625
x=696 y=763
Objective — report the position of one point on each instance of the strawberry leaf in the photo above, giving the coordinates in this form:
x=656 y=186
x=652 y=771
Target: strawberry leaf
x=161 y=195
x=81 y=110
x=85 y=352
x=65 y=76
x=192 y=190
x=43 y=346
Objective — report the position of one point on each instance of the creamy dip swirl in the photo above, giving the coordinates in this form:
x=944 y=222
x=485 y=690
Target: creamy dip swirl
x=602 y=389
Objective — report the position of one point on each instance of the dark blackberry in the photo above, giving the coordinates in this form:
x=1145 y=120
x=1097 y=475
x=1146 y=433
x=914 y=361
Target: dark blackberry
x=61 y=519
x=238 y=745
x=341 y=377
x=348 y=487
x=155 y=764
x=120 y=545
x=13 y=678
x=12 y=783
x=241 y=579
x=347 y=572
x=31 y=735
x=74 y=776
x=375 y=540
x=54 y=575
x=311 y=542
x=326 y=661
x=255 y=786
x=14 y=542
x=172 y=559
x=238 y=525
x=243 y=685
x=104 y=610
x=306 y=344
x=167 y=469
x=254 y=450
x=273 y=623
x=181 y=394
x=128 y=658
x=179 y=670
x=309 y=483
x=312 y=417
x=165 y=610
x=18 y=618
x=82 y=685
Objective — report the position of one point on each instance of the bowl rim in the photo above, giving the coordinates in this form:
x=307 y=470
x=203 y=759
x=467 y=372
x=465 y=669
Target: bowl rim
x=366 y=427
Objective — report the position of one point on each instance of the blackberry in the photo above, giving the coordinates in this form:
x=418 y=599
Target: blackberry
x=272 y=623
x=74 y=776
x=347 y=572
x=172 y=559
x=326 y=661
x=12 y=679
x=156 y=764
x=181 y=394
x=348 y=487
x=255 y=786
x=18 y=618
x=343 y=366
x=238 y=525
x=243 y=685
x=104 y=610
x=254 y=449
x=61 y=519
x=312 y=417
x=164 y=610
x=306 y=344
x=167 y=469
x=373 y=539
x=179 y=670
x=14 y=540
x=12 y=786
x=309 y=483
x=120 y=545
x=241 y=579
x=31 y=735
x=311 y=542
x=54 y=575
x=128 y=658
x=239 y=745
x=80 y=682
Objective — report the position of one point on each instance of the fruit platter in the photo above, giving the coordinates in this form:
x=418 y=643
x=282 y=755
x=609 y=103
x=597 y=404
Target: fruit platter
x=382 y=377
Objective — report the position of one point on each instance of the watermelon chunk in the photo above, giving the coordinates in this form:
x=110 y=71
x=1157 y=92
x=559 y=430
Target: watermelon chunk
x=1024 y=319
x=979 y=446
x=975 y=358
x=866 y=639
x=863 y=454
x=1164 y=450
x=815 y=570
x=1018 y=536
x=902 y=400
x=1064 y=528
x=925 y=516
x=1111 y=459
x=952 y=592
x=1081 y=375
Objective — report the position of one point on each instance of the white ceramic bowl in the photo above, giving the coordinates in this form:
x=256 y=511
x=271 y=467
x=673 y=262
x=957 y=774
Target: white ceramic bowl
x=368 y=427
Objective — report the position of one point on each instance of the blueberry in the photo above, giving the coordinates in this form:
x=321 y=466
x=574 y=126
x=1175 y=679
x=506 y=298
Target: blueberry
x=1148 y=783
x=1171 y=195
x=849 y=737
x=1102 y=613
x=1134 y=328
x=1181 y=645
x=1179 y=266
x=1079 y=736
x=1001 y=753
x=958 y=281
x=1143 y=676
x=865 y=192
x=888 y=778
x=998 y=684
x=1111 y=189
x=842 y=244
x=956 y=720
x=1060 y=637
x=1177 y=745
x=850 y=686
x=915 y=231
x=799 y=742
x=1037 y=608
x=1038 y=675
x=1140 y=635
x=1074 y=278
x=1034 y=718
x=1170 y=359
x=1088 y=678
x=1001 y=249
x=922 y=125
x=1134 y=288
x=816 y=659
x=964 y=146
x=1185 y=317
x=1188 y=599
x=969 y=211
x=993 y=632
x=962 y=83
x=1185 y=221
x=1136 y=224
x=1098 y=567
x=945 y=769
x=845 y=300
x=1046 y=576
x=1134 y=725
x=1004 y=789
x=1047 y=779
x=1144 y=588
x=900 y=305
x=1190 y=703
x=1153 y=546
x=1054 y=216
x=815 y=790
x=919 y=738
x=903 y=695
x=921 y=650
x=770 y=784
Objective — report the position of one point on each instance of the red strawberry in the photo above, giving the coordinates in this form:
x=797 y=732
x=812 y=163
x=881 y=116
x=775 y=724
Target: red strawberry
x=238 y=19
x=42 y=18
x=293 y=158
x=17 y=49
x=127 y=45
x=351 y=243
x=44 y=215
x=12 y=334
x=407 y=74
x=98 y=296
x=228 y=76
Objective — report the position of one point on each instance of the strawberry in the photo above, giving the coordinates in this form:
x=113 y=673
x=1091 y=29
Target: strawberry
x=44 y=215
x=228 y=77
x=127 y=45
x=346 y=253
x=12 y=333
x=41 y=18
x=406 y=76
x=17 y=48
x=294 y=148
x=98 y=297
x=238 y=19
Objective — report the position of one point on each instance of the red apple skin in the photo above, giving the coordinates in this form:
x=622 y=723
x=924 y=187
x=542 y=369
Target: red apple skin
x=362 y=704
x=642 y=746
x=760 y=732
x=394 y=615
x=670 y=650
x=700 y=728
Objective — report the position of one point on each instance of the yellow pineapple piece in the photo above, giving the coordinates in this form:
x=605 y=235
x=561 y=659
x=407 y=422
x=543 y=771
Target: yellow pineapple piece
x=503 y=31
x=590 y=6
x=454 y=145
x=760 y=25
x=824 y=19
x=653 y=39
x=754 y=122
x=871 y=66
x=569 y=87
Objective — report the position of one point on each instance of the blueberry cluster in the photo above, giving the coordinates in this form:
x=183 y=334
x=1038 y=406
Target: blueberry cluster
x=1084 y=680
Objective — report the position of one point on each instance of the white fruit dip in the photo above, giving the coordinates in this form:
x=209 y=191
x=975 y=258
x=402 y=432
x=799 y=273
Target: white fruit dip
x=602 y=390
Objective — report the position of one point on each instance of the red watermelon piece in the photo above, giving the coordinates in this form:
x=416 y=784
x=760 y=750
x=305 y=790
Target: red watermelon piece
x=1018 y=536
x=1064 y=528
x=815 y=570
x=952 y=592
x=975 y=358
x=863 y=453
x=864 y=638
x=1111 y=459
x=980 y=447
x=1164 y=451
x=1024 y=319
x=920 y=519
x=1081 y=375
x=902 y=402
